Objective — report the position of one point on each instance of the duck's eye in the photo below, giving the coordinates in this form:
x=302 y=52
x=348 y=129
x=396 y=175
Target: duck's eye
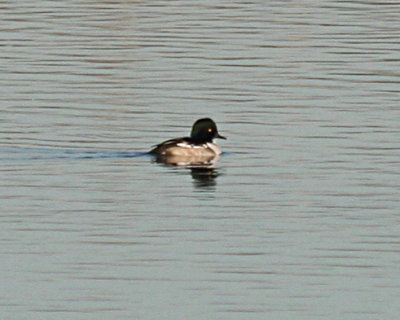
x=209 y=130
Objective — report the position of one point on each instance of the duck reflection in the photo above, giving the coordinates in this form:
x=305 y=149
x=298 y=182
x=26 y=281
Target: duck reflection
x=203 y=169
x=204 y=177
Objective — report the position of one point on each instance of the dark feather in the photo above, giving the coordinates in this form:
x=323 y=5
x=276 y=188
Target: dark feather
x=159 y=148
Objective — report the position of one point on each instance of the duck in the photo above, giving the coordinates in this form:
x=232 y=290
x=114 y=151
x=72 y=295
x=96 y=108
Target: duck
x=198 y=148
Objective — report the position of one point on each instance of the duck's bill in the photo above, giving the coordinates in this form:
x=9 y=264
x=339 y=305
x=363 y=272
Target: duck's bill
x=219 y=136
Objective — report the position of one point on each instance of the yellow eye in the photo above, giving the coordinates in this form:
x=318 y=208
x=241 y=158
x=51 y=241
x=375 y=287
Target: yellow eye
x=209 y=130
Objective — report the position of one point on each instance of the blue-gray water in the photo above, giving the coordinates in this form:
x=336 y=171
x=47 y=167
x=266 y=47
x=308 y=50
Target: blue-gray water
x=301 y=217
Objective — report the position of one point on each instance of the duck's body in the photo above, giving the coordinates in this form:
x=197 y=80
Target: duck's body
x=199 y=147
x=186 y=147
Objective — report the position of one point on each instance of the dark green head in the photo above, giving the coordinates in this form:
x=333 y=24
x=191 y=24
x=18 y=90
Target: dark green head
x=204 y=130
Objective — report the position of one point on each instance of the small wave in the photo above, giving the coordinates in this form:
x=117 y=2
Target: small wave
x=64 y=154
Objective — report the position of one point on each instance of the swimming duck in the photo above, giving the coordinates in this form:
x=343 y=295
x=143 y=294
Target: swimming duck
x=199 y=147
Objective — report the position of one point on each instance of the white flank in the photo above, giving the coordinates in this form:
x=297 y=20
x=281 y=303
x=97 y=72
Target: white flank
x=183 y=144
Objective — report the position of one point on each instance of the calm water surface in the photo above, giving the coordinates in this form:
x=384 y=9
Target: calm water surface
x=300 y=218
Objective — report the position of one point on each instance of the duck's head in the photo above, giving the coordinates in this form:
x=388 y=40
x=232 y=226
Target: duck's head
x=204 y=130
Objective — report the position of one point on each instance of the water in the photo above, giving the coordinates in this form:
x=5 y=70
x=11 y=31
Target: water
x=300 y=218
